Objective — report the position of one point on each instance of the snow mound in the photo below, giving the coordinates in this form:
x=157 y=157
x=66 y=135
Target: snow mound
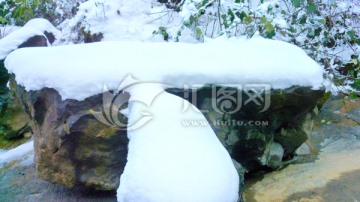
x=80 y=71
x=170 y=162
x=32 y=28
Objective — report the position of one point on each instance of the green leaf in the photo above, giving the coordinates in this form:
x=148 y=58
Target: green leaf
x=303 y=20
x=351 y=34
x=263 y=19
x=241 y=15
x=311 y=8
x=269 y=27
x=353 y=95
x=356 y=84
x=231 y=14
x=248 y=20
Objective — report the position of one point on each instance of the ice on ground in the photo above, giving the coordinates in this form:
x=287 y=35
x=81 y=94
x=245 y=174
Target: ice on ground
x=23 y=153
x=170 y=162
x=80 y=71
x=32 y=28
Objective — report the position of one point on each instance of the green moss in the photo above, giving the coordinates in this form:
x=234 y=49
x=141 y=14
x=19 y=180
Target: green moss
x=13 y=121
x=4 y=91
x=356 y=84
x=11 y=143
x=323 y=100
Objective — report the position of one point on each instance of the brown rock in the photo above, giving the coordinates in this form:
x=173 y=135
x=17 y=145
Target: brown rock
x=72 y=148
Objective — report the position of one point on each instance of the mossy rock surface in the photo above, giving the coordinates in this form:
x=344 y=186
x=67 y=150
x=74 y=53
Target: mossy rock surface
x=13 y=119
x=286 y=120
x=14 y=122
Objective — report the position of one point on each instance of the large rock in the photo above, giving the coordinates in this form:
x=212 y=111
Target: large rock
x=249 y=126
x=72 y=147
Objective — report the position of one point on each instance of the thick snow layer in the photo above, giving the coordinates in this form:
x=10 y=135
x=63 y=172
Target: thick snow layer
x=80 y=71
x=23 y=153
x=170 y=162
x=32 y=28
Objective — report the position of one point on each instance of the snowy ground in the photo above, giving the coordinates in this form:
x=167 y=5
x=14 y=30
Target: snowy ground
x=23 y=155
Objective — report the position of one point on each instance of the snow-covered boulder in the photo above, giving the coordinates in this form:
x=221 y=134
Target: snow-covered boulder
x=14 y=123
x=170 y=162
x=72 y=78
x=37 y=32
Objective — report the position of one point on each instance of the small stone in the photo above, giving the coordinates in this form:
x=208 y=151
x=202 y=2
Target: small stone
x=275 y=155
x=304 y=149
x=28 y=135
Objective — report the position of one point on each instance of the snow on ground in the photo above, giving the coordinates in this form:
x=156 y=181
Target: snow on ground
x=32 y=28
x=23 y=153
x=115 y=19
x=168 y=162
x=80 y=71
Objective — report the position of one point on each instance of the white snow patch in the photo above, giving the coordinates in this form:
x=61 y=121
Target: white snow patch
x=23 y=153
x=170 y=162
x=331 y=87
x=80 y=71
x=280 y=22
x=7 y=29
x=115 y=19
x=34 y=27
